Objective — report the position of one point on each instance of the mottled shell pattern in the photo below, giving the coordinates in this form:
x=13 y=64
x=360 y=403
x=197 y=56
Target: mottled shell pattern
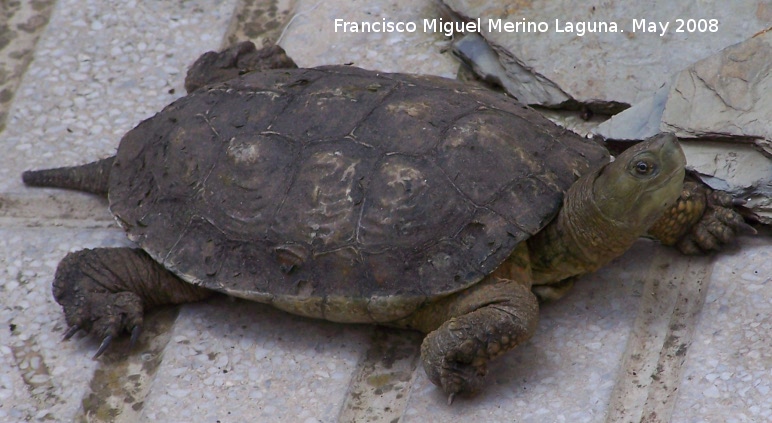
x=332 y=187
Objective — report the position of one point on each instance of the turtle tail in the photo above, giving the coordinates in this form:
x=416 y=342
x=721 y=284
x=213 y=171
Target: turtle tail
x=92 y=177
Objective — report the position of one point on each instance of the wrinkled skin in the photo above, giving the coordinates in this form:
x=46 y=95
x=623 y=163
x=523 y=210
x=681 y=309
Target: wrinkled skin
x=242 y=58
x=702 y=220
x=603 y=214
x=106 y=291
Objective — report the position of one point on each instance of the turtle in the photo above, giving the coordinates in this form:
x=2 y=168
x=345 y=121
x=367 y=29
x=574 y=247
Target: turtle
x=359 y=196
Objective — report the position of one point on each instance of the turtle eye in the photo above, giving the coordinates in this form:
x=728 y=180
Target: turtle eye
x=644 y=167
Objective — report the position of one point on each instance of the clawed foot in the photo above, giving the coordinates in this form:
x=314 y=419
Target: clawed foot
x=90 y=307
x=493 y=317
x=457 y=369
x=106 y=341
x=720 y=225
x=702 y=220
x=458 y=377
x=105 y=319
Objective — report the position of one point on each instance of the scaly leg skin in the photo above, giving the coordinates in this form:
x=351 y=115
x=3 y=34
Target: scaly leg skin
x=105 y=291
x=702 y=220
x=484 y=322
x=244 y=57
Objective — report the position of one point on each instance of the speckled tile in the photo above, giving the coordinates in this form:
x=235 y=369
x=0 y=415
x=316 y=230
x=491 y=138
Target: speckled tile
x=226 y=359
x=261 y=21
x=44 y=378
x=21 y=24
x=232 y=360
x=728 y=372
x=99 y=69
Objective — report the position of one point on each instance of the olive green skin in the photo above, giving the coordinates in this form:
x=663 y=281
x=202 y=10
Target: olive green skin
x=340 y=193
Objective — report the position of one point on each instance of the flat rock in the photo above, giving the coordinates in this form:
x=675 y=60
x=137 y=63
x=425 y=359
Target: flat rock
x=312 y=38
x=609 y=70
x=720 y=106
x=725 y=95
x=739 y=169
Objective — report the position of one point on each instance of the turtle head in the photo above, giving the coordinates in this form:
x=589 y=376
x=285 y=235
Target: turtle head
x=636 y=188
x=605 y=211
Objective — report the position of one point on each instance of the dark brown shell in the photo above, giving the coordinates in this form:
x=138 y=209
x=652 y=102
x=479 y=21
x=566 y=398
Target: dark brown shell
x=341 y=182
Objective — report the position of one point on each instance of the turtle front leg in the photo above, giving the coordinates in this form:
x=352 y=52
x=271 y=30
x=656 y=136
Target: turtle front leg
x=105 y=291
x=702 y=220
x=480 y=324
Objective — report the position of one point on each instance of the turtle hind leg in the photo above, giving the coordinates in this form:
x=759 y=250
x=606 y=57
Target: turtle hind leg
x=213 y=67
x=105 y=291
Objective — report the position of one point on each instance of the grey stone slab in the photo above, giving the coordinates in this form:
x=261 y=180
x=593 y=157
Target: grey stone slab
x=725 y=95
x=380 y=388
x=641 y=121
x=719 y=107
x=719 y=97
x=518 y=81
x=54 y=208
x=311 y=39
x=738 y=168
x=610 y=69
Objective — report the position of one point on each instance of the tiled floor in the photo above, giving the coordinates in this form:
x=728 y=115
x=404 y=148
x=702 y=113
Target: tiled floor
x=653 y=337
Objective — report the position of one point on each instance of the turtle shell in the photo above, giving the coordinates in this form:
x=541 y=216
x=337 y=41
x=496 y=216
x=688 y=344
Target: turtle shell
x=318 y=189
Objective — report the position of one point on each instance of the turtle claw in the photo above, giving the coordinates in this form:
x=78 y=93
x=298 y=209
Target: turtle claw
x=451 y=397
x=103 y=346
x=70 y=332
x=746 y=229
x=135 y=332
